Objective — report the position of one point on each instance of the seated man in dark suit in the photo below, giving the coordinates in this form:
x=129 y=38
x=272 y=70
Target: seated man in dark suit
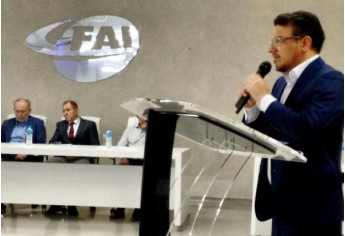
x=73 y=130
x=13 y=131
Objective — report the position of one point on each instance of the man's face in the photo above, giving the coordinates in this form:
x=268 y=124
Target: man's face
x=21 y=110
x=288 y=52
x=142 y=123
x=69 y=112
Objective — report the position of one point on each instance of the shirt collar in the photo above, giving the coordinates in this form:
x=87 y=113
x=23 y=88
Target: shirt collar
x=22 y=122
x=77 y=121
x=296 y=72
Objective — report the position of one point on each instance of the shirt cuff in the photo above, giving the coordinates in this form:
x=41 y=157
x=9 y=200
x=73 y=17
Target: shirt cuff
x=250 y=114
x=265 y=102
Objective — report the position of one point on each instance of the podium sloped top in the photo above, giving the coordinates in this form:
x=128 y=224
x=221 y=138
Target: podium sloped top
x=274 y=148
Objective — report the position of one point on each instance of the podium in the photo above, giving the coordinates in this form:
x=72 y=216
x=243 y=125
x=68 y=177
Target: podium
x=220 y=149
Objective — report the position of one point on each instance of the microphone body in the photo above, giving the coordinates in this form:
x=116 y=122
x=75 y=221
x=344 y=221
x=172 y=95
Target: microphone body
x=264 y=69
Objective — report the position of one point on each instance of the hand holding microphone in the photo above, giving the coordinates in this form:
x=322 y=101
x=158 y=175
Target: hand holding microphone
x=264 y=69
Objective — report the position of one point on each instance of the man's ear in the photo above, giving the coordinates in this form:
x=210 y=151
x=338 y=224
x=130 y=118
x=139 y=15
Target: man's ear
x=307 y=43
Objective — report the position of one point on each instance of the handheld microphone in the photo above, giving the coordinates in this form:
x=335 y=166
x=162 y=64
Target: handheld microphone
x=264 y=69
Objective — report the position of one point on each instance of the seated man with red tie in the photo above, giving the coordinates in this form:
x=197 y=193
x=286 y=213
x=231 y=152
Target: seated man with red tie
x=73 y=130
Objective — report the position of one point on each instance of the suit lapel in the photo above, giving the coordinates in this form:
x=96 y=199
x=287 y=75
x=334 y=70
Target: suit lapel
x=306 y=77
x=64 y=130
x=80 y=128
x=279 y=88
x=11 y=126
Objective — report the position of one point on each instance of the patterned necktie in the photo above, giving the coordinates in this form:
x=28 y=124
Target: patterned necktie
x=71 y=131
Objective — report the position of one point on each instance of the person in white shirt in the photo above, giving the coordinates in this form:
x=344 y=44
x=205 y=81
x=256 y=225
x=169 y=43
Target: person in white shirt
x=133 y=136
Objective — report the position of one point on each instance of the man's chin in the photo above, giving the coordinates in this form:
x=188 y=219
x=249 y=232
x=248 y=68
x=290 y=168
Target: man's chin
x=281 y=69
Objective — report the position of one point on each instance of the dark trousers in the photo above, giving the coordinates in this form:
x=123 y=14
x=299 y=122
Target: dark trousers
x=284 y=228
x=11 y=157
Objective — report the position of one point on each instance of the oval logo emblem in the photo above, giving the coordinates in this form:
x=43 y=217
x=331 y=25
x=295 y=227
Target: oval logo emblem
x=90 y=50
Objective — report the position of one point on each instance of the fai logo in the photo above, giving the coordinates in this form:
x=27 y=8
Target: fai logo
x=89 y=50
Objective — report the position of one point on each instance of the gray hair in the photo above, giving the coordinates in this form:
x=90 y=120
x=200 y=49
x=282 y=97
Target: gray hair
x=23 y=99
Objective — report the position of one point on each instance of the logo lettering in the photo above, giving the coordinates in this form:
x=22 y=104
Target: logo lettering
x=92 y=49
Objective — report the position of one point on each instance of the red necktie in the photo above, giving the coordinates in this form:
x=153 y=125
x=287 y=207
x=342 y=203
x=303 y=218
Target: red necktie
x=71 y=131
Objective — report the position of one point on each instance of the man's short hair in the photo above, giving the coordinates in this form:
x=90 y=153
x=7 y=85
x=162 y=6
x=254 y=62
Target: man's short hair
x=23 y=99
x=73 y=103
x=304 y=24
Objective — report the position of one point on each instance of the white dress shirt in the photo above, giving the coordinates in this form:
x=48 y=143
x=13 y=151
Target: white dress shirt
x=75 y=126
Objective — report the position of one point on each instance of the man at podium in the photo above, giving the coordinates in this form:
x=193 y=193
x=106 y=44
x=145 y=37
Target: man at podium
x=305 y=110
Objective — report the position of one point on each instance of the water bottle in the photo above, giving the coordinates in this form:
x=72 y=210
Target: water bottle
x=108 y=138
x=28 y=135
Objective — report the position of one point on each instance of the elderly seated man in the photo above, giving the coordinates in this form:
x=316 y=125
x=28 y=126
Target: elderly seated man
x=13 y=131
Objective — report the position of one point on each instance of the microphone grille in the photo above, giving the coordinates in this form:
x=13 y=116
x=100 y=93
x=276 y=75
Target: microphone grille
x=264 y=68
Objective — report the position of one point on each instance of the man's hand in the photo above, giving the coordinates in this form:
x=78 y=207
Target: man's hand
x=21 y=157
x=124 y=161
x=256 y=87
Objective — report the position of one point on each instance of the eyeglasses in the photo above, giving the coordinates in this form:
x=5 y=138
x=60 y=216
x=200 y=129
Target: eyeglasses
x=280 y=40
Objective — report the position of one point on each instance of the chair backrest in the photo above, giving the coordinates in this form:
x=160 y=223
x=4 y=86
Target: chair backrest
x=133 y=120
x=97 y=120
x=42 y=117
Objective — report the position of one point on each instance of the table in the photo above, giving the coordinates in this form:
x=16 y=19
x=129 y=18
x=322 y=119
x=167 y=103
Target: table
x=79 y=150
x=83 y=185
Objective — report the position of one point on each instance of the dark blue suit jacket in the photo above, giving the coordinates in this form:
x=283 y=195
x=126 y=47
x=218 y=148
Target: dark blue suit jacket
x=39 y=133
x=311 y=121
x=86 y=134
